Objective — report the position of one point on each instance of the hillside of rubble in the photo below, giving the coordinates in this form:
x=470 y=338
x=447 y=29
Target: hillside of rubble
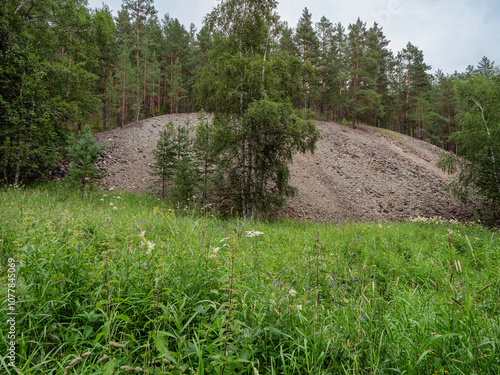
x=355 y=174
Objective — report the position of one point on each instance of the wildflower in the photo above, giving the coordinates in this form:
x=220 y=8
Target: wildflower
x=308 y=287
x=224 y=239
x=102 y=199
x=115 y=208
x=292 y=292
x=253 y=233
x=151 y=246
x=333 y=284
x=111 y=203
x=213 y=253
x=277 y=283
x=299 y=307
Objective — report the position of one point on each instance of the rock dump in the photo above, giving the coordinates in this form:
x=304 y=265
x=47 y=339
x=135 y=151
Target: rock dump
x=360 y=174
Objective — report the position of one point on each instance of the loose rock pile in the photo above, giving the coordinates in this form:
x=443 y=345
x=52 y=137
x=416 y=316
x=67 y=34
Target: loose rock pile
x=359 y=174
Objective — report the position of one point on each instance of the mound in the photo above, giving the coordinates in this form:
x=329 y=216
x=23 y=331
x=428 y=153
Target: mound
x=360 y=174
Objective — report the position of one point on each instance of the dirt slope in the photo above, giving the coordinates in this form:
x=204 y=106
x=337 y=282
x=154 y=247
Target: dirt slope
x=360 y=174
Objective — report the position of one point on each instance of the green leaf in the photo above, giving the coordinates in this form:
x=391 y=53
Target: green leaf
x=109 y=367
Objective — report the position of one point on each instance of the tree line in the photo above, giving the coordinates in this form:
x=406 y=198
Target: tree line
x=65 y=65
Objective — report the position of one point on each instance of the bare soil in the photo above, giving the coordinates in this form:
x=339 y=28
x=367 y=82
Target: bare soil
x=354 y=174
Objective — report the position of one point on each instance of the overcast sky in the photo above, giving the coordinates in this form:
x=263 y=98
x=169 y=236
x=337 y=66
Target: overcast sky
x=452 y=33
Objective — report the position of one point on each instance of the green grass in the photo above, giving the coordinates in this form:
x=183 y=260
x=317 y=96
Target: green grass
x=391 y=134
x=170 y=291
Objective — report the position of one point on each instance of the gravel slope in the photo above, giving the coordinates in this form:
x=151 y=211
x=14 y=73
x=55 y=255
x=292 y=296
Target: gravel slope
x=360 y=174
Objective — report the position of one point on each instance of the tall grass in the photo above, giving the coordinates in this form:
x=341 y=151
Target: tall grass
x=120 y=283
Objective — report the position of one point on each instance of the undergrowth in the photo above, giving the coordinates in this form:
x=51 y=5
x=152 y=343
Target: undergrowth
x=121 y=283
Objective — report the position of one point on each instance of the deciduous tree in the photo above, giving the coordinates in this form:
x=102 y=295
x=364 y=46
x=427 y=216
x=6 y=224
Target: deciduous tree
x=478 y=142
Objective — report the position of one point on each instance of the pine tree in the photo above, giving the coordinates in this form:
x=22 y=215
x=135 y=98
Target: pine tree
x=286 y=42
x=110 y=102
x=165 y=158
x=185 y=175
x=83 y=152
x=139 y=12
x=416 y=86
x=358 y=63
x=486 y=67
x=104 y=37
x=342 y=72
x=177 y=53
x=308 y=45
x=152 y=49
x=203 y=149
x=327 y=72
x=381 y=57
x=444 y=107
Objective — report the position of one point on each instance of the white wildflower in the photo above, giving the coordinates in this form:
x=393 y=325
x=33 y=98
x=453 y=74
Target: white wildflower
x=292 y=292
x=112 y=188
x=111 y=203
x=115 y=208
x=253 y=233
x=299 y=307
x=213 y=253
x=151 y=246
x=224 y=239
x=102 y=199
x=143 y=232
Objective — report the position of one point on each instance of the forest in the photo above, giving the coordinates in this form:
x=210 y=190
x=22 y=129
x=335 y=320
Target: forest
x=65 y=65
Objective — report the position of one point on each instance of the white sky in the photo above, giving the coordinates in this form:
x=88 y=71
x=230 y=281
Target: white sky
x=452 y=33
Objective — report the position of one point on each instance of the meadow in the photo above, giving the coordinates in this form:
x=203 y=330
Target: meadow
x=121 y=284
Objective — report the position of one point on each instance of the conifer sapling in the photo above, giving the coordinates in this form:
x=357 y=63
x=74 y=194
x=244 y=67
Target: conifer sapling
x=83 y=152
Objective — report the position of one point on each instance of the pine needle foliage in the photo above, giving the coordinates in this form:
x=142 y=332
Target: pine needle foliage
x=165 y=155
x=83 y=152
